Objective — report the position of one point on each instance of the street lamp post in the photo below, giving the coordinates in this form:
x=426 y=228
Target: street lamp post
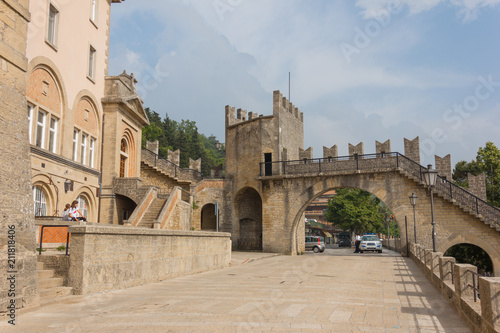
x=430 y=176
x=413 y=201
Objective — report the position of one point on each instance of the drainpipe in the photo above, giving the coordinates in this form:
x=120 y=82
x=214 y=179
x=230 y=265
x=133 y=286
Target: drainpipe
x=100 y=174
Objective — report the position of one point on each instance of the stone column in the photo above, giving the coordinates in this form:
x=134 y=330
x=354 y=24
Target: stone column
x=435 y=269
x=412 y=149
x=153 y=146
x=490 y=303
x=356 y=150
x=427 y=262
x=477 y=185
x=463 y=278
x=17 y=222
x=445 y=268
x=305 y=154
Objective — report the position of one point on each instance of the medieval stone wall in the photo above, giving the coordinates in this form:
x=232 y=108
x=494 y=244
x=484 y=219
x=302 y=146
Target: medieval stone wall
x=17 y=224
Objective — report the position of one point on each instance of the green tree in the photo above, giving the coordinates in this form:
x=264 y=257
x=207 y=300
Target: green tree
x=487 y=161
x=355 y=210
x=471 y=254
x=183 y=135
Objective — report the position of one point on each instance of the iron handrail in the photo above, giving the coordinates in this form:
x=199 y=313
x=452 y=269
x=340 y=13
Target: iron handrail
x=473 y=286
x=452 y=271
x=54 y=226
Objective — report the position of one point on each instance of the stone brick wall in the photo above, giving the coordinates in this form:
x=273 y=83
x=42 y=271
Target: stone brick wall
x=115 y=257
x=412 y=149
x=305 y=154
x=153 y=146
x=356 y=150
x=174 y=156
x=16 y=200
x=210 y=192
x=151 y=177
x=443 y=166
x=330 y=152
x=383 y=147
x=284 y=199
x=477 y=185
x=290 y=127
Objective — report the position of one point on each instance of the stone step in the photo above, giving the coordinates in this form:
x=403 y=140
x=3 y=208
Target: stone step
x=146 y=225
x=50 y=293
x=40 y=265
x=50 y=283
x=453 y=201
x=45 y=274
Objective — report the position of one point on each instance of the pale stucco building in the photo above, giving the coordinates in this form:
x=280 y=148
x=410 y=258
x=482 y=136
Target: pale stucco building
x=67 y=51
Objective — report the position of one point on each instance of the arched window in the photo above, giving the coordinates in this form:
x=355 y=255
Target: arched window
x=82 y=205
x=123 y=158
x=40 y=201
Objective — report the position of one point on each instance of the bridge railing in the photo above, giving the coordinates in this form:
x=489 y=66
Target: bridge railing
x=380 y=161
x=170 y=168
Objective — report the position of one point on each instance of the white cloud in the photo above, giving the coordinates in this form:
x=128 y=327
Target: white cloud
x=467 y=9
x=398 y=86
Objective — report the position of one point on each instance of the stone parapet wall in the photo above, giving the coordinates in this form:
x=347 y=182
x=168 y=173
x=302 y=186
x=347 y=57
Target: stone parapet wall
x=336 y=165
x=114 y=257
x=454 y=281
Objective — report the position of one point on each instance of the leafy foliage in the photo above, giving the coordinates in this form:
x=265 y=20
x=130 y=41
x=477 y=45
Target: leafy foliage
x=355 y=210
x=487 y=161
x=173 y=135
x=471 y=254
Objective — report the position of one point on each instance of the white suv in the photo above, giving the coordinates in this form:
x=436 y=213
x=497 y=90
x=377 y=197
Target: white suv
x=370 y=243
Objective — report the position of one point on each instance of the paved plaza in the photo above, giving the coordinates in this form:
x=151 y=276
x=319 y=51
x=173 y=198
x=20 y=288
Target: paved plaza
x=334 y=291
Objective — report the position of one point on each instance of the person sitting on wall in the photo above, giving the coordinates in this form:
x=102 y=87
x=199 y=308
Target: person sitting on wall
x=65 y=213
x=74 y=212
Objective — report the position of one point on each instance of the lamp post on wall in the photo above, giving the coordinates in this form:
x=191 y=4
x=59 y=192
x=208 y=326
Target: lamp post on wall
x=430 y=176
x=413 y=201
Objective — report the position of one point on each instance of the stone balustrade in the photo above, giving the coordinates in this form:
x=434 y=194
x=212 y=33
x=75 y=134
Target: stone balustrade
x=455 y=281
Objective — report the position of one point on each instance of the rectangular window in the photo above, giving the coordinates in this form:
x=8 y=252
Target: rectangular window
x=75 y=145
x=91 y=154
x=84 y=148
x=53 y=134
x=93 y=10
x=91 y=70
x=52 y=25
x=40 y=129
x=30 y=121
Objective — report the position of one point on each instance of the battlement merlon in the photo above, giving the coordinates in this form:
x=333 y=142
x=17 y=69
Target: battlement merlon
x=282 y=104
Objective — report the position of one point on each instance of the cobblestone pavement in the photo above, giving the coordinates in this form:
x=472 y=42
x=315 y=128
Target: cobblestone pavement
x=334 y=291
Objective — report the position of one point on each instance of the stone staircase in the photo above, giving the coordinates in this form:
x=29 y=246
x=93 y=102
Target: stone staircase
x=171 y=175
x=438 y=192
x=51 y=288
x=152 y=213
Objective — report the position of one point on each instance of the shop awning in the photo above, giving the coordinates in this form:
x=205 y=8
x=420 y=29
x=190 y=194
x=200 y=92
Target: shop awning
x=327 y=234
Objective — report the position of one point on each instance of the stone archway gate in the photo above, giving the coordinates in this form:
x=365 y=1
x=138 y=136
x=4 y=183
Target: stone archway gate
x=460 y=216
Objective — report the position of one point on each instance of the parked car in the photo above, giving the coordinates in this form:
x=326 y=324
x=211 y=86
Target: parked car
x=370 y=243
x=315 y=243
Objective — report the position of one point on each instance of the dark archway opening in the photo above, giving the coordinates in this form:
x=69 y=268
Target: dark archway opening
x=465 y=253
x=338 y=213
x=124 y=207
x=208 y=217
x=249 y=212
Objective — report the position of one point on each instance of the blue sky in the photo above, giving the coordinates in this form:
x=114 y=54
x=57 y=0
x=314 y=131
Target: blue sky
x=361 y=70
